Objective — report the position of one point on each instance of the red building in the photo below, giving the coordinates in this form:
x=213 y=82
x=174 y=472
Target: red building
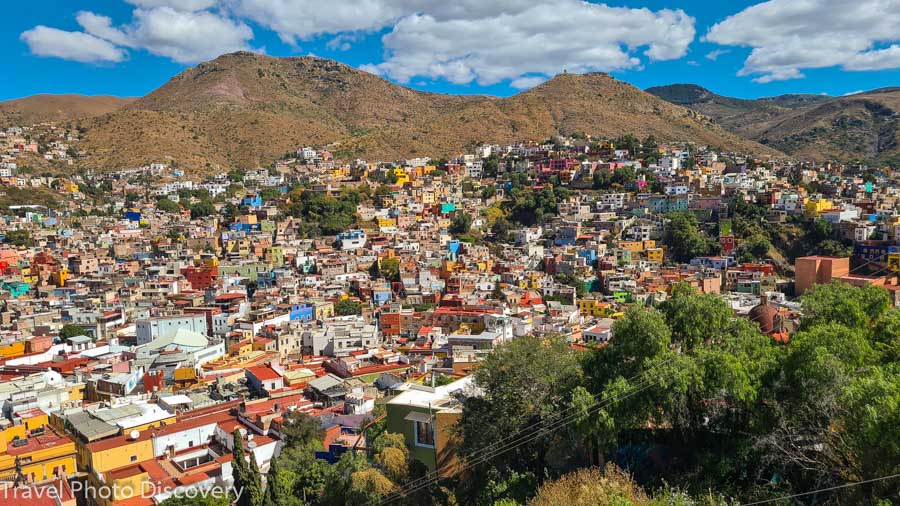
x=728 y=243
x=203 y=276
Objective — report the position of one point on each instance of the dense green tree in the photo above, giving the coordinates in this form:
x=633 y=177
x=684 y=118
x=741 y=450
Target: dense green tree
x=199 y=500
x=255 y=490
x=18 y=238
x=753 y=248
x=683 y=237
x=323 y=214
x=490 y=166
x=202 y=209
x=236 y=175
x=461 y=224
x=348 y=307
x=301 y=430
x=390 y=268
x=870 y=423
x=694 y=317
x=169 y=206
x=340 y=488
x=71 y=330
x=887 y=337
x=839 y=302
x=524 y=382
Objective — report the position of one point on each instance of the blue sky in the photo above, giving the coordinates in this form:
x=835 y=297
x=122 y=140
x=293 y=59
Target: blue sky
x=736 y=48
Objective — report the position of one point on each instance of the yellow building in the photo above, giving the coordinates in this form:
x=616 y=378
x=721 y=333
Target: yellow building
x=30 y=275
x=633 y=246
x=69 y=187
x=240 y=246
x=402 y=176
x=41 y=453
x=59 y=277
x=275 y=255
x=385 y=222
x=655 y=255
x=324 y=310
x=593 y=307
x=815 y=207
x=185 y=377
x=13 y=349
x=113 y=453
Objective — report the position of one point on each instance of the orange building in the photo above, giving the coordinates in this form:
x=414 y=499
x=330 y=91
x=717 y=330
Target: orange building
x=818 y=270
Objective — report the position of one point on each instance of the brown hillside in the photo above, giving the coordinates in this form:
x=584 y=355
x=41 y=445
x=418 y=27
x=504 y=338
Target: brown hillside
x=44 y=108
x=245 y=109
x=856 y=127
x=865 y=126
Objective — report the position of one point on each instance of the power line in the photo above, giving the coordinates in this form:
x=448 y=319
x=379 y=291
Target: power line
x=410 y=488
x=828 y=489
x=516 y=436
x=521 y=437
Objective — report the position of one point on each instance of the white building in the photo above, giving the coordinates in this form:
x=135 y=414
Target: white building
x=152 y=328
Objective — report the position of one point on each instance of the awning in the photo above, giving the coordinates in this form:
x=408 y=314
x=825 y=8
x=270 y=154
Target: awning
x=415 y=416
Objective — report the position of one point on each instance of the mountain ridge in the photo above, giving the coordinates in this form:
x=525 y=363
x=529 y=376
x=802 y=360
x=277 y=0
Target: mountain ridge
x=47 y=107
x=245 y=109
x=863 y=126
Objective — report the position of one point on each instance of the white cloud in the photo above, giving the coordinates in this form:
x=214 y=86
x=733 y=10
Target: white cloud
x=522 y=83
x=535 y=40
x=342 y=42
x=101 y=26
x=857 y=92
x=182 y=35
x=186 y=37
x=462 y=41
x=75 y=46
x=303 y=19
x=787 y=36
x=716 y=53
x=181 y=5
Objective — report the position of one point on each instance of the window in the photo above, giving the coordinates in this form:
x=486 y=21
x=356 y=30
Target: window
x=424 y=434
x=134 y=458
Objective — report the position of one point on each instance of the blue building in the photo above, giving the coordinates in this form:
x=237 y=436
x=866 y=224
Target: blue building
x=302 y=312
x=252 y=201
x=589 y=255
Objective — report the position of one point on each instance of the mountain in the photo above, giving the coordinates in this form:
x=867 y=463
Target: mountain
x=747 y=118
x=243 y=109
x=862 y=126
x=58 y=108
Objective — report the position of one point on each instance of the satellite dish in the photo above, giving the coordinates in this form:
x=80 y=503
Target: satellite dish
x=251 y=445
x=134 y=434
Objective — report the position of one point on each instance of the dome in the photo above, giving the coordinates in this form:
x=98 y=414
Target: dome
x=52 y=378
x=765 y=316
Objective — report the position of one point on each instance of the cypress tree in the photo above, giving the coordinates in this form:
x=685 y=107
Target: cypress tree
x=254 y=492
x=276 y=495
x=238 y=465
x=245 y=484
